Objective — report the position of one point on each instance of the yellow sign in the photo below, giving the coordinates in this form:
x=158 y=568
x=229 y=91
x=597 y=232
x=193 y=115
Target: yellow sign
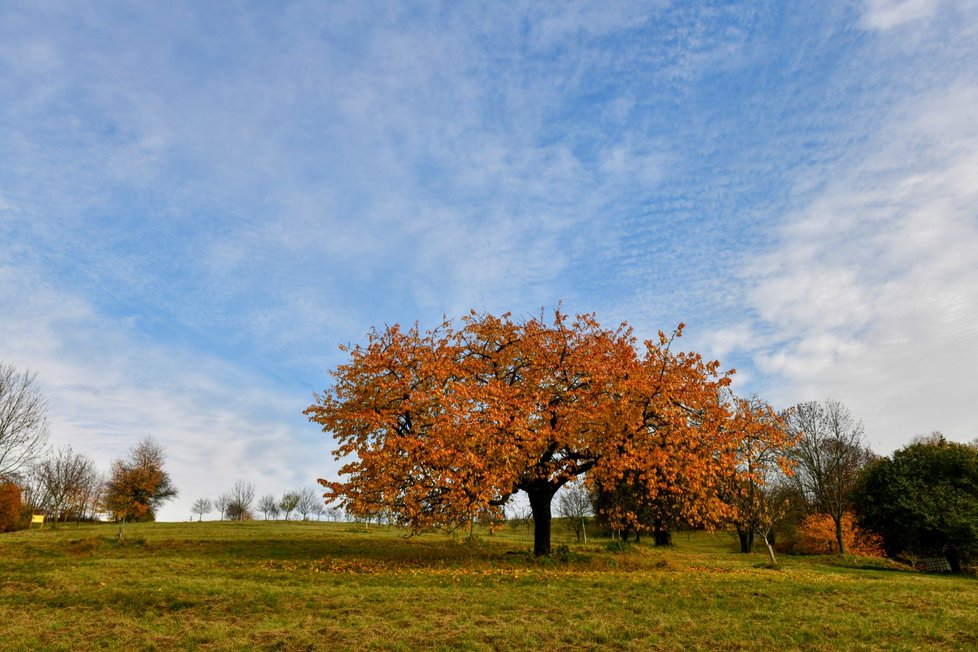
x=38 y=518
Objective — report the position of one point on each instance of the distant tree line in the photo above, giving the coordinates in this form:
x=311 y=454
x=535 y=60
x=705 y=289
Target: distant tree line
x=238 y=504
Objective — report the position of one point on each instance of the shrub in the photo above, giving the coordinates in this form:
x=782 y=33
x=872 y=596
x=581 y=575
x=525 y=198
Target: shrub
x=10 y=507
x=816 y=536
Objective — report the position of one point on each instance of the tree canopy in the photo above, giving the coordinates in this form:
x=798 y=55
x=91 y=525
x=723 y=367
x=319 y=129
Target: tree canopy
x=439 y=427
x=924 y=500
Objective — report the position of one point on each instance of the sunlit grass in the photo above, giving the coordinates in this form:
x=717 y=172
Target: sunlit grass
x=301 y=586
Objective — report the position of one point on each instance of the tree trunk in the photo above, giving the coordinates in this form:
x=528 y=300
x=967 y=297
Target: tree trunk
x=663 y=537
x=746 y=540
x=541 y=496
x=838 y=535
x=770 y=550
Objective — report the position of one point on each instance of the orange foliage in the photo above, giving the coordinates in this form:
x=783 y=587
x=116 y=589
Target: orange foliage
x=816 y=536
x=10 y=516
x=442 y=426
x=138 y=484
x=763 y=453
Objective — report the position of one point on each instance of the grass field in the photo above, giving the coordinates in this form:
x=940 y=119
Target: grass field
x=324 y=586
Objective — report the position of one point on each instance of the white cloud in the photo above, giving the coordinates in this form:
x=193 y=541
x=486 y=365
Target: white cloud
x=887 y=14
x=108 y=387
x=871 y=293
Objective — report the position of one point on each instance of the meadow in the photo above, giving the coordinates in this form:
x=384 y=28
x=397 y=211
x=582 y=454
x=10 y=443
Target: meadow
x=341 y=586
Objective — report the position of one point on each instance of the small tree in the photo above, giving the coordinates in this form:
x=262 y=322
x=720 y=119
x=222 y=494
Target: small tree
x=574 y=504
x=319 y=508
x=138 y=485
x=202 y=506
x=221 y=503
x=240 y=498
x=268 y=506
x=289 y=502
x=308 y=500
x=763 y=458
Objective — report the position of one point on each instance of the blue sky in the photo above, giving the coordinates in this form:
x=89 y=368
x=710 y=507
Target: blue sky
x=199 y=202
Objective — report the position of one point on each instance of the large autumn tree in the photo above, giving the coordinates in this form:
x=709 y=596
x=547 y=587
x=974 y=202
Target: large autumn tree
x=439 y=427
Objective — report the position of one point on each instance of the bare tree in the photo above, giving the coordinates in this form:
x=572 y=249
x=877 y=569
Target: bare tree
x=203 y=506
x=23 y=420
x=574 y=504
x=319 y=508
x=242 y=495
x=308 y=499
x=66 y=479
x=521 y=519
x=830 y=453
x=289 y=502
x=268 y=506
x=222 y=504
x=88 y=500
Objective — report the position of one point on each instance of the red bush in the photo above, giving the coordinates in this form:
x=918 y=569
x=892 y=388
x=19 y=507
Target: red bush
x=10 y=518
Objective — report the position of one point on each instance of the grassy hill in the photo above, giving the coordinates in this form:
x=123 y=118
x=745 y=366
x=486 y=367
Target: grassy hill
x=326 y=586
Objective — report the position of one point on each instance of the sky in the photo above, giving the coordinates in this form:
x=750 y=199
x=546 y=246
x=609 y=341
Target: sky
x=199 y=202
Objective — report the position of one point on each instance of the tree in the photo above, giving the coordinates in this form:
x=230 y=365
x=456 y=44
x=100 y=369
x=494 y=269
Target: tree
x=829 y=456
x=574 y=504
x=268 y=506
x=23 y=420
x=138 y=484
x=924 y=501
x=240 y=498
x=308 y=500
x=335 y=513
x=203 y=506
x=67 y=479
x=764 y=456
x=443 y=426
x=289 y=502
x=319 y=508
x=221 y=503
